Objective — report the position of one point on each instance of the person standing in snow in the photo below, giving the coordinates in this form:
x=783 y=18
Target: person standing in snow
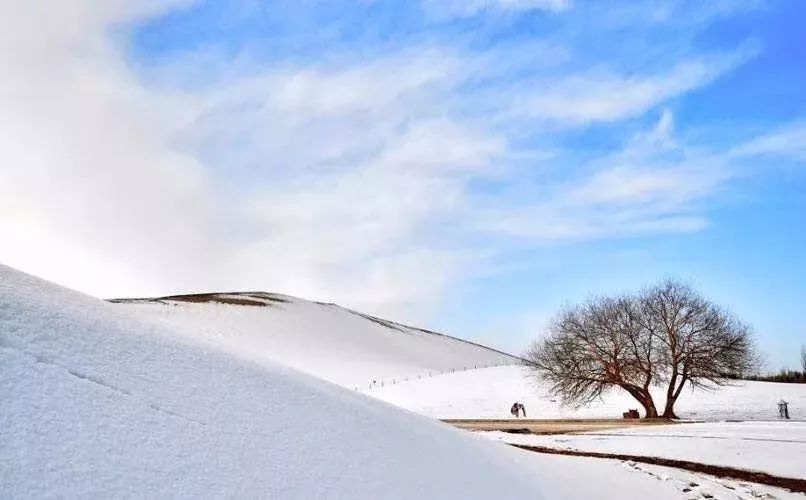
x=783 y=409
x=515 y=409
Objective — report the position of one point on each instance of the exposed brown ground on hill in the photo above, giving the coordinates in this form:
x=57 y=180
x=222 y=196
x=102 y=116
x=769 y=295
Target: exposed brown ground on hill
x=260 y=299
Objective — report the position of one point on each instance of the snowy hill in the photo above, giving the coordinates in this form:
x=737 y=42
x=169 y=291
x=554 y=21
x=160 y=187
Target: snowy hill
x=97 y=402
x=331 y=342
x=423 y=371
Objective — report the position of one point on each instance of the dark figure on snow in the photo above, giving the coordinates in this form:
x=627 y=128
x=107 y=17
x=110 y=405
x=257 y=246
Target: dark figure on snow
x=783 y=409
x=515 y=409
x=522 y=409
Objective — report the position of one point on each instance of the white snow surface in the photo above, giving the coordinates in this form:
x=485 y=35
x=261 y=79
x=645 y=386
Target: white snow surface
x=692 y=485
x=489 y=393
x=431 y=374
x=593 y=478
x=778 y=448
x=97 y=402
x=324 y=340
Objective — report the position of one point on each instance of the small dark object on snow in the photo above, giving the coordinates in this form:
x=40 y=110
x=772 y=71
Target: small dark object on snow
x=522 y=430
x=783 y=409
x=631 y=414
x=516 y=409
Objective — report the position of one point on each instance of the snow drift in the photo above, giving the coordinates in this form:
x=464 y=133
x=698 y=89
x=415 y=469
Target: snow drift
x=99 y=403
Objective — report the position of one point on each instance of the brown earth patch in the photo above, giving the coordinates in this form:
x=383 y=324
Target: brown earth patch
x=553 y=426
x=260 y=299
x=240 y=300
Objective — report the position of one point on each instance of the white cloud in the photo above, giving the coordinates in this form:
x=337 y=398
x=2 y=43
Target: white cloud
x=786 y=141
x=324 y=182
x=651 y=186
x=88 y=171
x=346 y=180
x=467 y=8
x=654 y=185
x=605 y=96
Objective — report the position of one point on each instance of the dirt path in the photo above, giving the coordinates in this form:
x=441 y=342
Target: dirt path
x=547 y=427
x=791 y=484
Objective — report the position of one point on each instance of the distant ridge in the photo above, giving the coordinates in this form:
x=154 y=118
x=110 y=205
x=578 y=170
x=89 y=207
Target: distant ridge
x=339 y=344
x=267 y=299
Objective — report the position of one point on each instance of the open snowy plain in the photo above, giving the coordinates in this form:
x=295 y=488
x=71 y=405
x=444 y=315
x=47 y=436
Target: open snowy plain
x=488 y=393
x=777 y=448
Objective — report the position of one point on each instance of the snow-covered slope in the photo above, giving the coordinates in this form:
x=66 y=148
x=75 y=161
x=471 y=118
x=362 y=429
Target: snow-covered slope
x=489 y=393
x=331 y=342
x=98 y=403
x=428 y=373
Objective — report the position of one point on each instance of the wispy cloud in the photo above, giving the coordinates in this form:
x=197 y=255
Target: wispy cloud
x=786 y=141
x=605 y=96
x=653 y=185
x=352 y=176
x=465 y=8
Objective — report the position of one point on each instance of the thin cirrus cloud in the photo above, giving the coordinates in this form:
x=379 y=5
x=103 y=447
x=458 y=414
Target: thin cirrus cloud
x=465 y=8
x=604 y=96
x=654 y=184
x=788 y=140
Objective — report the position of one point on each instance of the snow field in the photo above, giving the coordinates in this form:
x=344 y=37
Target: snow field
x=99 y=403
x=194 y=400
x=435 y=375
x=778 y=448
x=489 y=393
x=474 y=393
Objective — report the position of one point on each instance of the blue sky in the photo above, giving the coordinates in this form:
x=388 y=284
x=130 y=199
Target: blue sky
x=467 y=165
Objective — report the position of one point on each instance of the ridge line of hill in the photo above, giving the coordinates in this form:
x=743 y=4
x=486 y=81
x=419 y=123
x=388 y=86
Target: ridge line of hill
x=268 y=299
x=425 y=330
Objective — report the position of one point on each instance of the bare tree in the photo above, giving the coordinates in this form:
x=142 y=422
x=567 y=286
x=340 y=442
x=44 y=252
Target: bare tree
x=703 y=345
x=803 y=358
x=665 y=335
x=595 y=347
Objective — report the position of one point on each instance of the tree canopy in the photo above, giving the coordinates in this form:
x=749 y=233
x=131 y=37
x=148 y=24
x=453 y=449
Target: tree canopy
x=666 y=335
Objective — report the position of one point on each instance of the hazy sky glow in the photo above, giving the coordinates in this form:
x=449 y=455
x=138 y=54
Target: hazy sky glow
x=468 y=165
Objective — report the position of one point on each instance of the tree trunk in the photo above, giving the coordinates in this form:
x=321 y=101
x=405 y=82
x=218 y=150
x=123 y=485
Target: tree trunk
x=668 y=411
x=671 y=398
x=645 y=398
x=649 y=408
